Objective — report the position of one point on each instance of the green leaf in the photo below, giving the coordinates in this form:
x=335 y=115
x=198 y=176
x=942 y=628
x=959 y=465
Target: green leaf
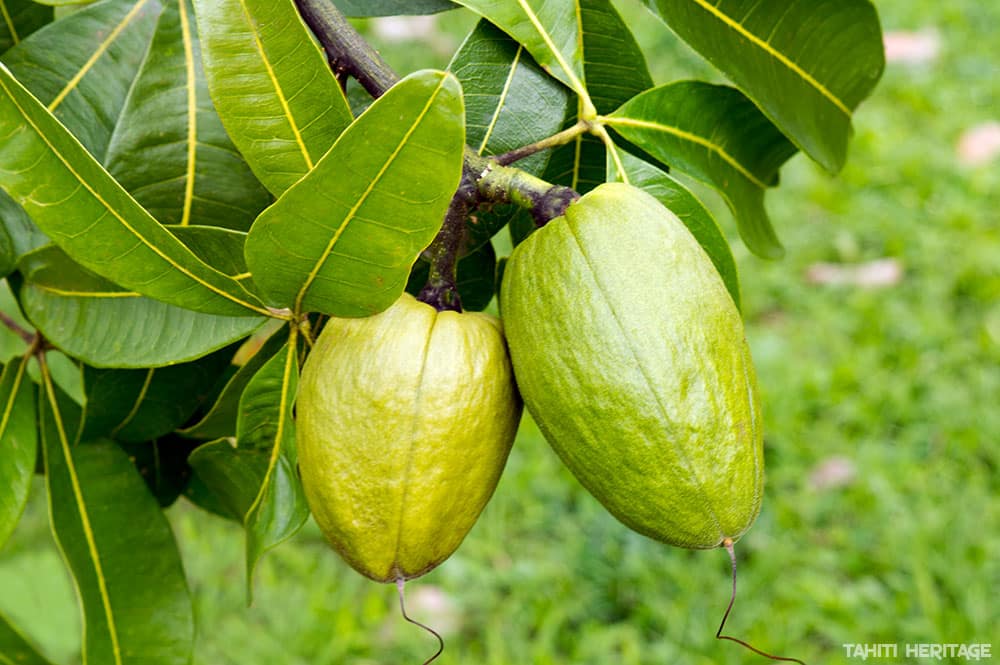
x=14 y=647
x=157 y=131
x=77 y=204
x=220 y=420
x=475 y=278
x=104 y=325
x=118 y=545
x=392 y=7
x=679 y=200
x=162 y=463
x=8 y=253
x=218 y=247
x=717 y=135
x=549 y=29
x=255 y=481
x=12 y=345
x=20 y=18
x=169 y=149
x=66 y=3
x=806 y=63
x=509 y=100
x=343 y=239
x=15 y=223
x=615 y=71
x=18 y=444
x=226 y=479
x=144 y=404
x=272 y=86
x=82 y=67
x=614 y=66
x=266 y=424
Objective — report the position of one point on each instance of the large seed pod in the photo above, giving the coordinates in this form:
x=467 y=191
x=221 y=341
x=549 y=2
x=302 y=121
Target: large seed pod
x=404 y=423
x=631 y=356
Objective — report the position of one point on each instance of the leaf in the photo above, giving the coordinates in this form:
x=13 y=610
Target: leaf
x=475 y=279
x=509 y=102
x=8 y=254
x=255 y=481
x=137 y=405
x=806 y=64
x=162 y=463
x=679 y=200
x=82 y=67
x=169 y=149
x=391 y=7
x=549 y=29
x=18 y=444
x=220 y=420
x=272 y=86
x=77 y=204
x=66 y=3
x=20 y=18
x=157 y=131
x=12 y=345
x=118 y=545
x=343 y=239
x=104 y=325
x=717 y=135
x=14 y=647
x=220 y=248
x=614 y=66
x=227 y=479
x=615 y=71
x=265 y=423
x=18 y=234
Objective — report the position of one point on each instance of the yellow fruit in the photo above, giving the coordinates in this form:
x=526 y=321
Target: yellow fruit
x=631 y=356
x=404 y=423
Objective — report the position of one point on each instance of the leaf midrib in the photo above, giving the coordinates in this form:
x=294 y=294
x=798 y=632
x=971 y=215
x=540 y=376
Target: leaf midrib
x=142 y=239
x=269 y=69
x=349 y=217
x=776 y=54
x=690 y=137
x=96 y=55
x=88 y=531
x=15 y=39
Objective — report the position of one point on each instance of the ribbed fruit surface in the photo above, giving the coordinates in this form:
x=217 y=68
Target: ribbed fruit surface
x=404 y=423
x=631 y=356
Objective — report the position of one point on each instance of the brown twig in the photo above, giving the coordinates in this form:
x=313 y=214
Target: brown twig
x=15 y=327
x=346 y=50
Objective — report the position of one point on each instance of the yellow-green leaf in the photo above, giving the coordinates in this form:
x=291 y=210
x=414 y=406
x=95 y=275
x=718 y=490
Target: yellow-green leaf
x=272 y=86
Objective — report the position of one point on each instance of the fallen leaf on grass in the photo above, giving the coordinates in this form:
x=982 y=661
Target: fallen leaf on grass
x=832 y=473
x=912 y=48
x=881 y=272
x=979 y=144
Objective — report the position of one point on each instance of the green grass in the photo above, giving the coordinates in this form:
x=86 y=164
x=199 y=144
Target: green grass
x=902 y=381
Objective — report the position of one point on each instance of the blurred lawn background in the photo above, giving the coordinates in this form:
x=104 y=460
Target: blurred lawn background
x=882 y=404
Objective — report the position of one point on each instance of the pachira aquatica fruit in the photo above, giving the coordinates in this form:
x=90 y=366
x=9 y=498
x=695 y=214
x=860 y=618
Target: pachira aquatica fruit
x=405 y=420
x=630 y=354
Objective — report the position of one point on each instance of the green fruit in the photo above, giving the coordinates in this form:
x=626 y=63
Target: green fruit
x=404 y=423
x=631 y=356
